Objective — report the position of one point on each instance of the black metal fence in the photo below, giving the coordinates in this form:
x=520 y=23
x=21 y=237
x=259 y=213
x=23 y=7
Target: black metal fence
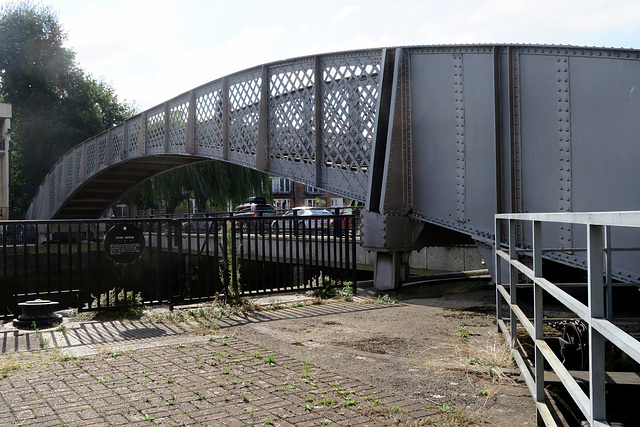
x=180 y=261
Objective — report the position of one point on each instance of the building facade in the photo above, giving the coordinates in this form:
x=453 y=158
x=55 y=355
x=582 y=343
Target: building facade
x=288 y=194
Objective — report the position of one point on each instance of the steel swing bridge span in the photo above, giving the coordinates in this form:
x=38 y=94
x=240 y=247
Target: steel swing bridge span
x=441 y=142
x=432 y=138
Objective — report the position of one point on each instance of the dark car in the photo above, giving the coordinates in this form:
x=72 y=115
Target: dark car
x=252 y=208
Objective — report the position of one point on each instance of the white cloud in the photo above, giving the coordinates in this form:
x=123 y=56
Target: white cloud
x=152 y=50
x=346 y=12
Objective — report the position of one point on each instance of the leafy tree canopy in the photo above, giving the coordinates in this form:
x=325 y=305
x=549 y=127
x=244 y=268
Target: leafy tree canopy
x=212 y=184
x=55 y=104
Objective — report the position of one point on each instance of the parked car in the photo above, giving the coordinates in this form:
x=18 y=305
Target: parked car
x=303 y=219
x=250 y=209
x=254 y=206
x=340 y=226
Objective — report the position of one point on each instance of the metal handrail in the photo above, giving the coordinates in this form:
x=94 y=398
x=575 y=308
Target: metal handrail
x=594 y=314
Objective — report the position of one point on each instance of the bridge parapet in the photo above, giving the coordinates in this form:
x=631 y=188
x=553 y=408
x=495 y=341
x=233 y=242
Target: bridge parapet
x=309 y=119
x=442 y=135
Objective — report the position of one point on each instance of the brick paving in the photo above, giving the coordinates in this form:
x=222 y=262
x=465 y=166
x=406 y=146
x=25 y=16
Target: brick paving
x=136 y=373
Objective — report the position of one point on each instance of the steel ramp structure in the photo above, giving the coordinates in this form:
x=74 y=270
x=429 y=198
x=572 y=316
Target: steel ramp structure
x=435 y=139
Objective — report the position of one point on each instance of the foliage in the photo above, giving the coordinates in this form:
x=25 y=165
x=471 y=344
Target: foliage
x=347 y=292
x=385 y=299
x=210 y=183
x=325 y=287
x=55 y=104
x=234 y=288
x=129 y=305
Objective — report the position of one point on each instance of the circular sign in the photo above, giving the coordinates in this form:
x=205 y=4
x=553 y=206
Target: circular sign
x=124 y=243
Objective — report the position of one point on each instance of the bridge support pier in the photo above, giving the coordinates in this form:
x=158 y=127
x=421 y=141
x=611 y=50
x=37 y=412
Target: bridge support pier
x=392 y=238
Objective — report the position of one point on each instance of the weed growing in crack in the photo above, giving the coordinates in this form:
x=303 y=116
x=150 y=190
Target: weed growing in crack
x=347 y=292
x=463 y=332
x=385 y=299
x=305 y=365
x=67 y=357
x=270 y=359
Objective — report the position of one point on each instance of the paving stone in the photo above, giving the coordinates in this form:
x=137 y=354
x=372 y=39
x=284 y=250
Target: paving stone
x=200 y=382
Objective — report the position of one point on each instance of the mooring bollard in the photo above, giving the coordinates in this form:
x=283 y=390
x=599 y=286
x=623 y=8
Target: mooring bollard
x=38 y=313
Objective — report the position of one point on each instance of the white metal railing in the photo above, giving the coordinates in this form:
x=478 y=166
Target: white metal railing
x=524 y=263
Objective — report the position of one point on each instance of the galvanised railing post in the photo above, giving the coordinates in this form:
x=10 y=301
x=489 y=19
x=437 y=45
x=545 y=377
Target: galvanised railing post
x=538 y=312
x=595 y=244
x=497 y=262
x=608 y=272
x=513 y=281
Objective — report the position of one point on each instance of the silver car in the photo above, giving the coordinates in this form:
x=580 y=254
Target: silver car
x=303 y=220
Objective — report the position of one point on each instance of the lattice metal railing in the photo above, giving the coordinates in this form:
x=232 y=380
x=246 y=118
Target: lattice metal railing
x=317 y=127
x=292 y=143
x=209 y=110
x=244 y=113
x=518 y=270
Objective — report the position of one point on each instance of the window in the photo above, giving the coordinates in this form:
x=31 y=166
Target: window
x=315 y=202
x=282 y=204
x=337 y=202
x=312 y=190
x=280 y=185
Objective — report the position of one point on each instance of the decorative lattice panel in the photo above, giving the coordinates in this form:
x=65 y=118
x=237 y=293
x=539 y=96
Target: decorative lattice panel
x=209 y=110
x=59 y=174
x=155 y=131
x=68 y=174
x=52 y=190
x=178 y=118
x=133 y=131
x=90 y=147
x=292 y=127
x=349 y=99
x=77 y=165
x=101 y=143
x=244 y=113
x=117 y=140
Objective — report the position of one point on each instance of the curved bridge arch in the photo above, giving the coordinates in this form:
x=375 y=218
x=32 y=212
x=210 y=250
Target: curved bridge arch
x=316 y=128
x=440 y=135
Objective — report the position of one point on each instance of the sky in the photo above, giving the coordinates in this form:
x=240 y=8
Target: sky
x=150 y=51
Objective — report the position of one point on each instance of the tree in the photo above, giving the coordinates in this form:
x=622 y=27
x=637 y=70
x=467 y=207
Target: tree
x=210 y=183
x=55 y=104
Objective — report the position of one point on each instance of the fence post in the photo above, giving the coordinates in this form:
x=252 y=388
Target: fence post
x=595 y=241
x=538 y=313
x=513 y=281
x=497 y=262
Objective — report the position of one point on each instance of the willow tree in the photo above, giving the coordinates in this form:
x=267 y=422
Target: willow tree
x=212 y=184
